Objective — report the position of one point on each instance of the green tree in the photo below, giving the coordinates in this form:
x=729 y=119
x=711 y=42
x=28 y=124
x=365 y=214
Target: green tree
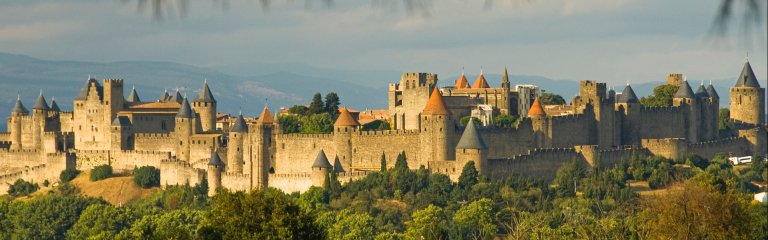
x=567 y=177
x=68 y=174
x=314 y=198
x=376 y=125
x=551 y=99
x=429 y=223
x=316 y=106
x=146 y=176
x=22 y=188
x=102 y=221
x=298 y=110
x=46 y=217
x=661 y=97
x=332 y=104
x=101 y=172
x=465 y=120
x=352 y=226
x=469 y=176
x=724 y=121
x=317 y=123
x=289 y=123
x=504 y=121
x=173 y=224
x=259 y=214
x=383 y=163
x=475 y=221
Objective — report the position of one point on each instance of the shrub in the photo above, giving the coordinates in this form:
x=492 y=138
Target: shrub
x=101 y=172
x=68 y=174
x=22 y=188
x=146 y=176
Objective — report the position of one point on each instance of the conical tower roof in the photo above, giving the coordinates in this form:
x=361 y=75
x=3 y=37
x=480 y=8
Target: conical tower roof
x=480 y=82
x=684 y=91
x=701 y=92
x=240 y=125
x=205 y=94
x=133 y=97
x=337 y=167
x=536 y=109
x=345 y=119
x=83 y=94
x=176 y=97
x=185 y=111
x=164 y=97
x=461 y=82
x=40 y=103
x=19 y=108
x=265 y=117
x=321 y=161
x=471 y=139
x=628 y=95
x=747 y=77
x=711 y=92
x=215 y=160
x=54 y=106
x=435 y=104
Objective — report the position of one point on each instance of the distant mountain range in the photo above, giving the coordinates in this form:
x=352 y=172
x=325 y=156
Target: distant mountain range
x=237 y=87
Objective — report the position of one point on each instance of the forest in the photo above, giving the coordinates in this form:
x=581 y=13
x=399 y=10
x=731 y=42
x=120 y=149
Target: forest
x=695 y=198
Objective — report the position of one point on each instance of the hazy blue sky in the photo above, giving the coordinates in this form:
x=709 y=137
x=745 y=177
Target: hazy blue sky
x=608 y=40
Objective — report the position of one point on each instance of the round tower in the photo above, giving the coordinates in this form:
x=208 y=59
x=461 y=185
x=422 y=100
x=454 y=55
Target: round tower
x=747 y=100
x=121 y=132
x=205 y=105
x=183 y=130
x=629 y=106
x=471 y=147
x=215 y=167
x=691 y=106
x=436 y=130
x=237 y=135
x=39 y=117
x=540 y=124
x=261 y=143
x=320 y=169
x=343 y=128
x=19 y=111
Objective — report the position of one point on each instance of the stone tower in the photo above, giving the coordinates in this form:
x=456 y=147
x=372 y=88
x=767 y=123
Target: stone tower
x=505 y=105
x=628 y=106
x=113 y=99
x=184 y=129
x=215 y=167
x=675 y=79
x=686 y=99
x=121 y=134
x=343 y=128
x=407 y=99
x=261 y=148
x=19 y=111
x=747 y=100
x=715 y=98
x=436 y=130
x=471 y=147
x=237 y=135
x=261 y=143
x=505 y=84
x=39 y=117
x=320 y=169
x=540 y=124
x=205 y=105
x=707 y=129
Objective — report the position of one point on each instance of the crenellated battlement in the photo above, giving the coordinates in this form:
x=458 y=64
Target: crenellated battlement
x=304 y=136
x=659 y=109
x=152 y=135
x=389 y=133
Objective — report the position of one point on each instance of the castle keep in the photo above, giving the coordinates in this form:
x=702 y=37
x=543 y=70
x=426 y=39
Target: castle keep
x=179 y=136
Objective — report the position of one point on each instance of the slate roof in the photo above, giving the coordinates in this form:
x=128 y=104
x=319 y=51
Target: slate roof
x=19 y=108
x=205 y=95
x=747 y=77
x=471 y=139
x=684 y=91
x=321 y=161
x=185 y=111
x=215 y=160
x=628 y=95
x=40 y=103
x=240 y=125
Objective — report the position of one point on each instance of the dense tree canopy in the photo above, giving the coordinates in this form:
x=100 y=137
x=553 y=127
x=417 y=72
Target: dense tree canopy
x=551 y=99
x=662 y=96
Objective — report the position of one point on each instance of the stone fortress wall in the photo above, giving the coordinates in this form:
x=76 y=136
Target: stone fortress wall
x=606 y=129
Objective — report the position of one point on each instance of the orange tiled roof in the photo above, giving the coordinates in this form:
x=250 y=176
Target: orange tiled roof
x=462 y=82
x=348 y=109
x=536 y=109
x=480 y=82
x=435 y=105
x=345 y=119
x=155 y=105
x=266 y=117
